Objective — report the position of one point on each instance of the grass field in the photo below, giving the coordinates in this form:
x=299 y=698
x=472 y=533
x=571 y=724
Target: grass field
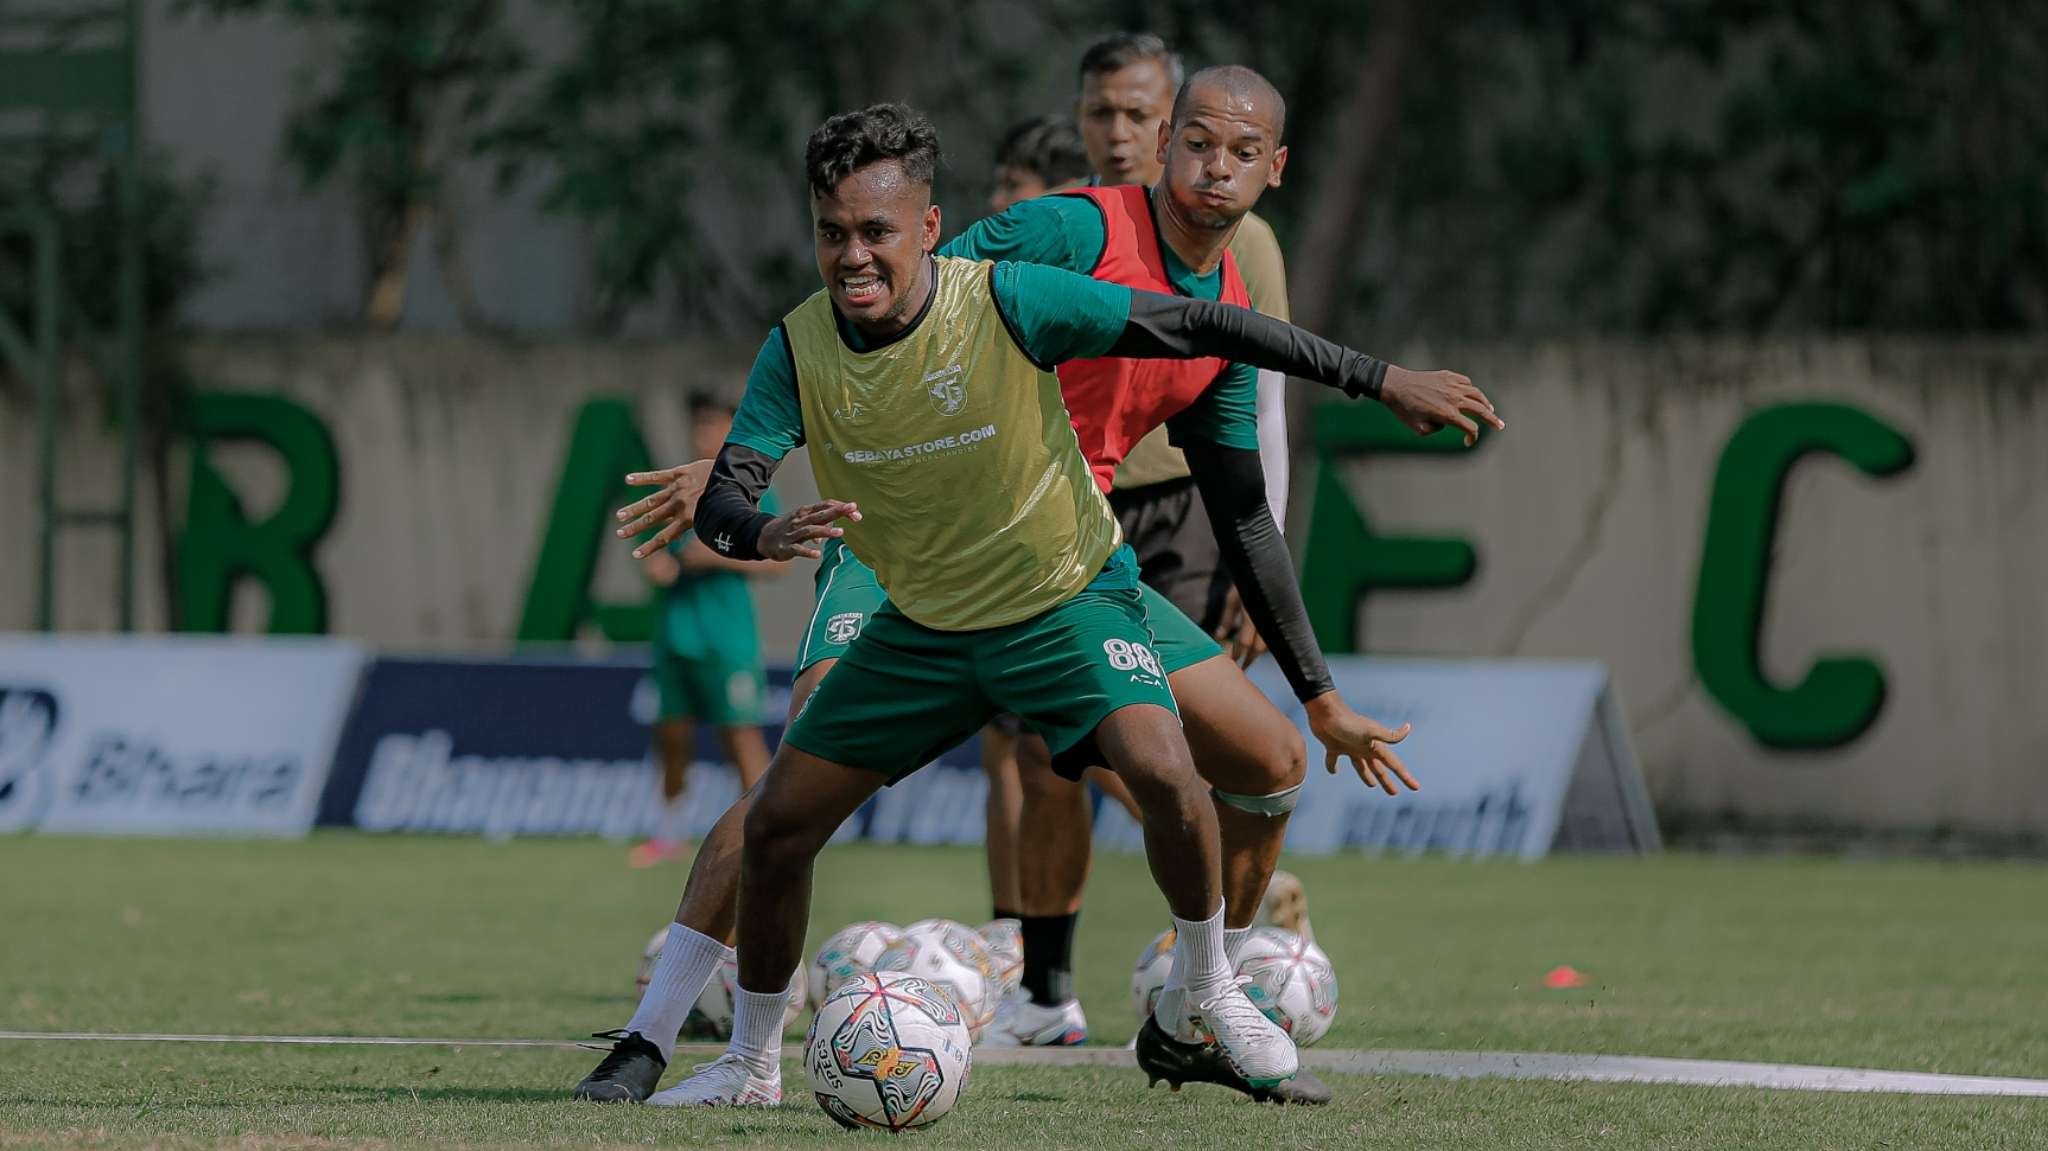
x=1906 y=966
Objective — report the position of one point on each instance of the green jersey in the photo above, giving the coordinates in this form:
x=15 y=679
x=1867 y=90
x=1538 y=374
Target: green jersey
x=709 y=612
x=978 y=508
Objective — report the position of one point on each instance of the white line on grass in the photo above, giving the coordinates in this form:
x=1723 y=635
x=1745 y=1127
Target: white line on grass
x=1441 y=1064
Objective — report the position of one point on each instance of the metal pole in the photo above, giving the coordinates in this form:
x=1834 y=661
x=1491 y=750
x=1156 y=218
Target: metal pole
x=131 y=311
x=43 y=229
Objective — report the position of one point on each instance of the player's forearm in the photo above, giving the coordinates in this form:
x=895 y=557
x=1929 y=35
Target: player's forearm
x=699 y=558
x=1233 y=491
x=729 y=515
x=1175 y=327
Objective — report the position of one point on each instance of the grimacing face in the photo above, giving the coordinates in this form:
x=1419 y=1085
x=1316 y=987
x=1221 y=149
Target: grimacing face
x=872 y=236
x=1120 y=115
x=1220 y=157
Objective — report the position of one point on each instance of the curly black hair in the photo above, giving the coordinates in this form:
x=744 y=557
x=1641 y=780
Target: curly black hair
x=850 y=141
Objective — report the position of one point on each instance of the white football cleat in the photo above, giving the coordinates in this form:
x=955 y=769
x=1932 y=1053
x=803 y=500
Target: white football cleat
x=727 y=1081
x=1021 y=1023
x=1253 y=1044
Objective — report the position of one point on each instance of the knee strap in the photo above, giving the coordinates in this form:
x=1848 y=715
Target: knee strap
x=1278 y=803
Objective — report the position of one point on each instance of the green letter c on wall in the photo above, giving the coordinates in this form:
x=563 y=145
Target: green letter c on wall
x=1840 y=696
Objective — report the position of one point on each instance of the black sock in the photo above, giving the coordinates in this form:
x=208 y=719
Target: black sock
x=1002 y=914
x=1049 y=958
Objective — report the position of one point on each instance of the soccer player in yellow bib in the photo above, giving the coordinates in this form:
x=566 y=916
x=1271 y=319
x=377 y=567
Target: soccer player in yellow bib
x=922 y=388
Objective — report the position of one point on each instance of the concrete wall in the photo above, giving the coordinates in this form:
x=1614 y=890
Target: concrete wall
x=1589 y=513
x=1587 y=516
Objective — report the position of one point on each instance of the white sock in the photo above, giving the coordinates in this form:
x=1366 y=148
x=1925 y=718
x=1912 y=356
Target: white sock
x=1233 y=939
x=1170 y=1011
x=757 y=1028
x=1199 y=954
x=687 y=962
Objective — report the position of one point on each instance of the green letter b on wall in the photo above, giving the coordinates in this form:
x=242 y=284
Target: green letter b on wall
x=1840 y=696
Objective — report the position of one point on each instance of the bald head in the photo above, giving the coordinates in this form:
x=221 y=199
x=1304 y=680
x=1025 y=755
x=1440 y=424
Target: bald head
x=1240 y=91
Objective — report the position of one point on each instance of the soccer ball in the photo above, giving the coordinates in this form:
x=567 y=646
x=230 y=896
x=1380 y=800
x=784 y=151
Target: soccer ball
x=1149 y=976
x=952 y=956
x=888 y=1050
x=648 y=955
x=848 y=952
x=1291 y=980
x=1005 y=940
x=711 y=1017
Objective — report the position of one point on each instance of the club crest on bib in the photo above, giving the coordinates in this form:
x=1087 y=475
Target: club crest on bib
x=948 y=390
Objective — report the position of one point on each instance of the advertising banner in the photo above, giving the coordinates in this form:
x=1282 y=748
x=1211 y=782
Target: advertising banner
x=540 y=745
x=1515 y=758
x=169 y=735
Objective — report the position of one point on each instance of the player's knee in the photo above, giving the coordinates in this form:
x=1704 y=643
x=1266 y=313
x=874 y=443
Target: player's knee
x=1272 y=804
x=1286 y=764
x=781 y=828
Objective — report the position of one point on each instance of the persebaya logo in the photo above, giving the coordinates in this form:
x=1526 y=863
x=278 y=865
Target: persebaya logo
x=948 y=390
x=844 y=627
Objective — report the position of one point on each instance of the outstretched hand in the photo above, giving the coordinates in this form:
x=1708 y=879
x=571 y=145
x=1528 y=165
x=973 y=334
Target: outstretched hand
x=792 y=534
x=1366 y=742
x=674 y=507
x=1430 y=401
x=1237 y=633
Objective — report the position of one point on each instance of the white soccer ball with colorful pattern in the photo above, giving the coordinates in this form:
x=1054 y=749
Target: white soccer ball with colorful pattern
x=711 y=1016
x=849 y=951
x=1149 y=976
x=951 y=955
x=1005 y=939
x=888 y=1050
x=1291 y=980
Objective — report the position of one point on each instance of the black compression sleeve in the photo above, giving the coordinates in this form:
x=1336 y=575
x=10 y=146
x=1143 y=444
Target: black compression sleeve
x=1233 y=488
x=729 y=515
x=1178 y=328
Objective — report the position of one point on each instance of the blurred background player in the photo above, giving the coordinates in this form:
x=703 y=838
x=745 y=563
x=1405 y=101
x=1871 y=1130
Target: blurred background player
x=707 y=655
x=1038 y=156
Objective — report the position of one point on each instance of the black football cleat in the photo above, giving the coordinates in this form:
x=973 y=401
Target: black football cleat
x=629 y=1074
x=1164 y=1058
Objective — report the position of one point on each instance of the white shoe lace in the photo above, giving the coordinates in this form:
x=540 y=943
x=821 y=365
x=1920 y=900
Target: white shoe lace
x=726 y=1060
x=737 y=1063
x=1234 y=1010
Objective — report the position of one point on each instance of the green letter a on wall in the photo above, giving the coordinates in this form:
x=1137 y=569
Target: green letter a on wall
x=1840 y=696
x=603 y=448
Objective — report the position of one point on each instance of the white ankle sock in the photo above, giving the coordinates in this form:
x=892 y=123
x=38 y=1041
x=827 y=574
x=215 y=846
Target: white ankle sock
x=1199 y=955
x=757 y=1028
x=687 y=962
x=1171 y=1009
x=1233 y=938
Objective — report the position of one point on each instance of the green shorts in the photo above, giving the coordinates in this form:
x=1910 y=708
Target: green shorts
x=904 y=693
x=710 y=689
x=848 y=596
